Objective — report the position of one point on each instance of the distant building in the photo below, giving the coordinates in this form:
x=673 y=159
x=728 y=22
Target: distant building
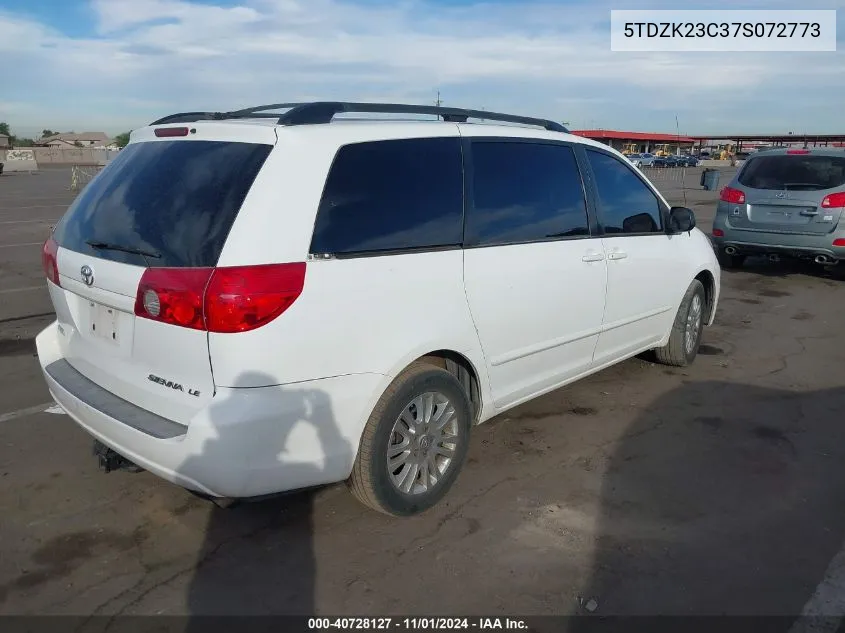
x=4 y=141
x=96 y=140
x=641 y=141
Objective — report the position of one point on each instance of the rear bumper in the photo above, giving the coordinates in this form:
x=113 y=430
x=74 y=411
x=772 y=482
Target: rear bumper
x=245 y=443
x=801 y=252
x=759 y=242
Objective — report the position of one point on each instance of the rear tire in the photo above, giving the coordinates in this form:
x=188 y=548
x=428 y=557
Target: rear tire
x=685 y=338
x=730 y=261
x=405 y=463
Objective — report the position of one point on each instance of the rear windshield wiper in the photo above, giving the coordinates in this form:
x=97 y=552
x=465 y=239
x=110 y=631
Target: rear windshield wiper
x=106 y=246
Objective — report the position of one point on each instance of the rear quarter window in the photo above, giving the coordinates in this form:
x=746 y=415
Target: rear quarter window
x=392 y=195
x=177 y=199
x=793 y=172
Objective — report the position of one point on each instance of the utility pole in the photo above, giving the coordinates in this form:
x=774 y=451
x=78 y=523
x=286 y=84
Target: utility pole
x=677 y=135
x=438 y=103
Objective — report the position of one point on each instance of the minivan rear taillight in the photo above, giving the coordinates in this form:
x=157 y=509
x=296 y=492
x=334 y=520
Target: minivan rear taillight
x=225 y=300
x=734 y=196
x=246 y=297
x=49 y=260
x=173 y=295
x=834 y=201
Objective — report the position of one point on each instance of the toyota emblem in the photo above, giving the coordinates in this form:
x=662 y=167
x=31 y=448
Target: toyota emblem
x=87 y=275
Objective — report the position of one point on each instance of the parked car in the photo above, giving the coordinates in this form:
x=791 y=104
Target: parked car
x=686 y=160
x=644 y=160
x=784 y=203
x=253 y=314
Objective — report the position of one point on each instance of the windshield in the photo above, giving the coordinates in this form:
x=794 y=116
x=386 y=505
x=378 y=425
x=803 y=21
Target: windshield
x=794 y=172
x=174 y=199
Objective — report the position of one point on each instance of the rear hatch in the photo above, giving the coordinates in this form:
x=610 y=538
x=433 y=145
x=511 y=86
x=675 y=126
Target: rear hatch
x=162 y=206
x=798 y=192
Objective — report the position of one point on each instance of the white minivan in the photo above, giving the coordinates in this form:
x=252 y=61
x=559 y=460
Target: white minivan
x=259 y=301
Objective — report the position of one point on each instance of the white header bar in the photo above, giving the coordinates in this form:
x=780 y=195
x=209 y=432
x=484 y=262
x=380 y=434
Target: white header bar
x=723 y=31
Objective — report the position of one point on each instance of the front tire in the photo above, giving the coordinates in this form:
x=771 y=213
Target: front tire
x=414 y=443
x=685 y=338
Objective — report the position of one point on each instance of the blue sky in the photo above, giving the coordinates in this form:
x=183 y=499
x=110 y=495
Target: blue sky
x=114 y=65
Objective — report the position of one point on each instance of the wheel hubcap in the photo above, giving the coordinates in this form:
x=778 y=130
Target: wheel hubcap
x=423 y=443
x=693 y=324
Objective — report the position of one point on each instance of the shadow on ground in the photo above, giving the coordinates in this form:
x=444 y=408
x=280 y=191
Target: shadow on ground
x=258 y=556
x=786 y=268
x=722 y=499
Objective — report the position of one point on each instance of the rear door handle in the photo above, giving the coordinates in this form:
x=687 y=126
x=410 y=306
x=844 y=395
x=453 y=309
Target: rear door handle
x=593 y=257
x=617 y=255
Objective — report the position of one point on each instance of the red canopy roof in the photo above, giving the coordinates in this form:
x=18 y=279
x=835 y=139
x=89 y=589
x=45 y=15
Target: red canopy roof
x=632 y=136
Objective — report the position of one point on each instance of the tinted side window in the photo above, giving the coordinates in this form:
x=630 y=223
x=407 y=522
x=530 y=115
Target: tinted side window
x=525 y=192
x=392 y=195
x=627 y=204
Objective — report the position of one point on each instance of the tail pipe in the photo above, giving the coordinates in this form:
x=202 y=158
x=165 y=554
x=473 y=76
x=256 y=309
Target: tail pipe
x=824 y=259
x=730 y=250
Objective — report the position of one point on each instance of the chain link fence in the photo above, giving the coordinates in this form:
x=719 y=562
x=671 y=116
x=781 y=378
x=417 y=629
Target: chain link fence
x=667 y=174
x=81 y=176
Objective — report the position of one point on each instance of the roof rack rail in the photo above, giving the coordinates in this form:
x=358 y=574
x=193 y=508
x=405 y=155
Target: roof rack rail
x=190 y=117
x=187 y=117
x=318 y=112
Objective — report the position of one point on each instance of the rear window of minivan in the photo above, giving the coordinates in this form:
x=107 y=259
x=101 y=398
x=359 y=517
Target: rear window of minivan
x=797 y=172
x=176 y=200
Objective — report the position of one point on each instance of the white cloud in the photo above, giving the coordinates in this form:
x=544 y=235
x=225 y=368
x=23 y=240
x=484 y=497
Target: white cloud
x=148 y=57
x=116 y=15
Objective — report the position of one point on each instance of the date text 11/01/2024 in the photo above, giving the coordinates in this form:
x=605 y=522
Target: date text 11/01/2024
x=416 y=624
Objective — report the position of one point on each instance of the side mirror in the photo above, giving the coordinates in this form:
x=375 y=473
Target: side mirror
x=681 y=220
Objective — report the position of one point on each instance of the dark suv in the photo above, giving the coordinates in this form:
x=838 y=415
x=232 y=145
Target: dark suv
x=784 y=202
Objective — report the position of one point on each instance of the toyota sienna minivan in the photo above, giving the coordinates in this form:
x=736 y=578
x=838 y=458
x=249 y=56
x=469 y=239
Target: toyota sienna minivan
x=260 y=301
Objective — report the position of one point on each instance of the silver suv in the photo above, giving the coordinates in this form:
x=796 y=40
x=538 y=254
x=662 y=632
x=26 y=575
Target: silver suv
x=784 y=202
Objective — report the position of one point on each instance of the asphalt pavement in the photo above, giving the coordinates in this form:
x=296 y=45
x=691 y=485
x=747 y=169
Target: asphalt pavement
x=30 y=204
x=710 y=490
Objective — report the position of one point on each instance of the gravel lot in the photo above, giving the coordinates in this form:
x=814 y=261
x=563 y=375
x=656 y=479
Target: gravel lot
x=715 y=489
